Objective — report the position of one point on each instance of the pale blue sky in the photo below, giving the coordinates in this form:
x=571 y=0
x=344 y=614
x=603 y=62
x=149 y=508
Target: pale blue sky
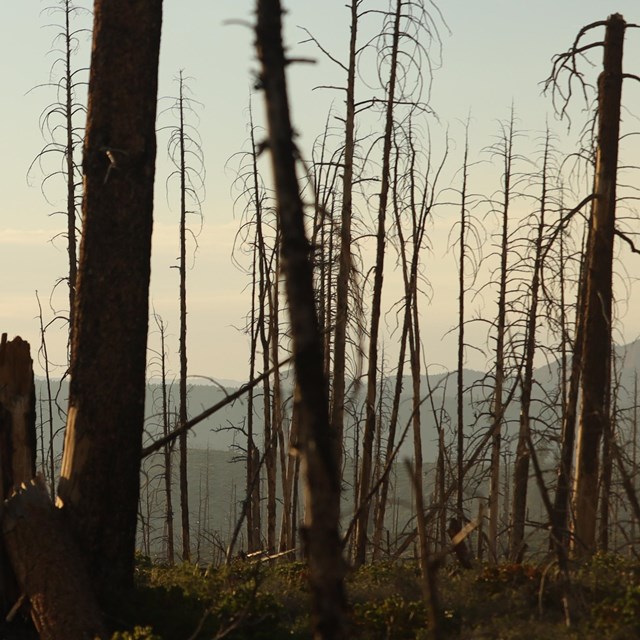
x=497 y=51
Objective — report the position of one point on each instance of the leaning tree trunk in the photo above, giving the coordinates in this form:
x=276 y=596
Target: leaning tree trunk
x=317 y=449
x=596 y=354
x=99 y=483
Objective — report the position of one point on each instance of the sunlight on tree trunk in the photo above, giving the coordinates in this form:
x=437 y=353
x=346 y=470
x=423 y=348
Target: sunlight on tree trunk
x=99 y=482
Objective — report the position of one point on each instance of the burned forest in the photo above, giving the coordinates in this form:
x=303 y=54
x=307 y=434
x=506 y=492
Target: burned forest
x=392 y=394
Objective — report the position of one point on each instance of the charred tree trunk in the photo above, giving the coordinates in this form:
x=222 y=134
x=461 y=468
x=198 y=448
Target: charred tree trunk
x=596 y=353
x=498 y=404
x=317 y=448
x=17 y=436
x=560 y=520
x=253 y=536
x=70 y=169
x=62 y=603
x=344 y=273
x=521 y=464
x=461 y=311
x=606 y=479
x=100 y=481
x=372 y=367
x=182 y=269
x=381 y=503
x=60 y=594
x=168 y=450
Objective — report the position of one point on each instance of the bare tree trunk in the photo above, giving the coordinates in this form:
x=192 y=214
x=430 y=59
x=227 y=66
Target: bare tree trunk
x=428 y=581
x=271 y=453
x=634 y=456
x=317 y=448
x=47 y=376
x=252 y=534
x=257 y=283
x=498 y=404
x=70 y=170
x=342 y=286
x=560 y=521
x=372 y=368
x=289 y=524
x=168 y=448
x=461 y=300
x=521 y=464
x=381 y=503
x=596 y=355
x=606 y=479
x=99 y=483
x=182 y=268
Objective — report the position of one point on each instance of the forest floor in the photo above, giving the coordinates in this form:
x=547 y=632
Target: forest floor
x=261 y=601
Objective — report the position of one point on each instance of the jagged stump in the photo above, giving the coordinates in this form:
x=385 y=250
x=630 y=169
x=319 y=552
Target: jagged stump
x=40 y=561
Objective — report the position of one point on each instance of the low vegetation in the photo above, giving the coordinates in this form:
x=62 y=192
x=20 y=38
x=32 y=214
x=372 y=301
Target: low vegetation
x=264 y=601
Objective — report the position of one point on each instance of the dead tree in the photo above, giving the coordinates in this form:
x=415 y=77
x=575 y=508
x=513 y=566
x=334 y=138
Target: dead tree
x=317 y=448
x=469 y=243
x=62 y=602
x=99 y=482
x=185 y=152
x=60 y=125
x=521 y=464
x=346 y=214
x=597 y=301
x=504 y=151
x=596 y=354
x=376 y=302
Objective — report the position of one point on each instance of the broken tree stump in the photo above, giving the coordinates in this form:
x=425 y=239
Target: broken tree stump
x=48 y=567
x=17 y=414
x=17 y=439
x=40 y=561
x=460 y=549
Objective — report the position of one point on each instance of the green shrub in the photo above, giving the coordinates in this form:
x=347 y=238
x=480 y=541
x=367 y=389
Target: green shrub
x=138 y=633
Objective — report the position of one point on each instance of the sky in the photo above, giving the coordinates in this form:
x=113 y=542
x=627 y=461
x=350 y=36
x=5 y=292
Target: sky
x=495 y=53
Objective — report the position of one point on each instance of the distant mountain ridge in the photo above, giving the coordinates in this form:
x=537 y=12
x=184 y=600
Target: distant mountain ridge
x=223 y=430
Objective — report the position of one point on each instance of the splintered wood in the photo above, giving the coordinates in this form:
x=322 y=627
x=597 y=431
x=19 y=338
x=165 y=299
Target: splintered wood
x=48 y=566
x=42 y=556
x=17 y=414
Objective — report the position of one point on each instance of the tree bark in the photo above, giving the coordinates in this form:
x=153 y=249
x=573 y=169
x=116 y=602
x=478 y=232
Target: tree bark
x=596 y=353
x=48 y=567
x=521 y=464
x=342 y=286
x=559 y=522
x=182 y=268
x=372 y=367
x=461 y=311
x=317 y=448
x=99 y=484
x=498 y=404
x=17 y=437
